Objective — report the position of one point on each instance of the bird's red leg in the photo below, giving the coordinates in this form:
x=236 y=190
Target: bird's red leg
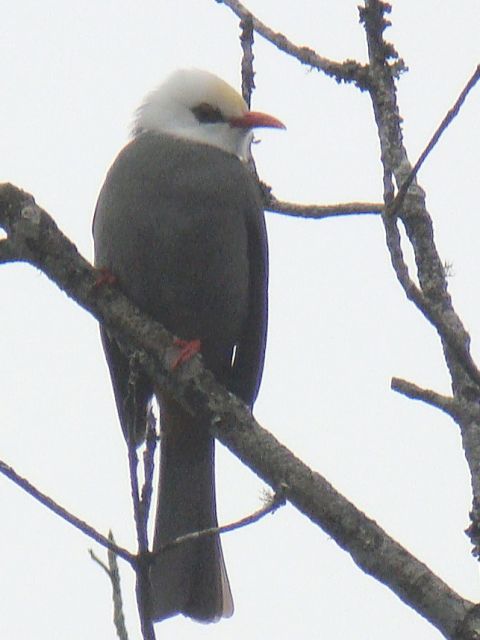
x=105 y=276
x=188 y=349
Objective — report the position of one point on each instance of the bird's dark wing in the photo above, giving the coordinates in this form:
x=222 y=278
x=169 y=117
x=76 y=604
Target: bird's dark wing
x=250 y=352
x=131 y=388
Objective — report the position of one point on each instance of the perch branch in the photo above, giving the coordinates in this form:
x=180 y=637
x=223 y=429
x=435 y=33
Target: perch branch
x=39 y=241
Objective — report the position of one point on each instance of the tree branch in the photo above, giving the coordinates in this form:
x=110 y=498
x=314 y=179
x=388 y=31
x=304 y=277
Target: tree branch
x=148 y=468
x=319 y=211
x=141 y=501
x=248 y=74
x=142 y=588
x=432 y=298
x=76 y=522
x=434 y=399
x=114 y=576
x=275 y=502
x=39 y=242
x=348 y=71
x=452 y=113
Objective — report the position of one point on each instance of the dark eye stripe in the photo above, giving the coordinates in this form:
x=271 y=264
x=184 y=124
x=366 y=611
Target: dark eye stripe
x=205 y=113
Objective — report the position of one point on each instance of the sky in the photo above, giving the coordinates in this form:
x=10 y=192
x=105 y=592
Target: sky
x=340 y=327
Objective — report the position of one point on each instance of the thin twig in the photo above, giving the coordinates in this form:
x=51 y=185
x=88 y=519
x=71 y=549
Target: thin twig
x=141 y=518
x=96 y=559
x=319 y=211
x=135 y=492
x=248 y=74
x=275 y=502
x=449 y=117
x=148 y=468
x=142 y=568
x=348 y=71
x=142 y=587
x=394 y=245
x=88 y=530
x=414 y=392
x=114 y=576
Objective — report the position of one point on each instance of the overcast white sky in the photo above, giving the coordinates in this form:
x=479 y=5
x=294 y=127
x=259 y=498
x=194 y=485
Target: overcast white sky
x=340 y=327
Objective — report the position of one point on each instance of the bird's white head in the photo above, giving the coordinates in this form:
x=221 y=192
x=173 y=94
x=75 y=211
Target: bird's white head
x=199 y=106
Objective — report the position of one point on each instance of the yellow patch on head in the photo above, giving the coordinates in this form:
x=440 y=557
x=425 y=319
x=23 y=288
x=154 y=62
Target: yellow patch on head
x=228 y=100
x=195 y=86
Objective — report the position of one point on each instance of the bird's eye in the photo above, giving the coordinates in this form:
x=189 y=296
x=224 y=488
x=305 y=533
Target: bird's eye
x=205 y=113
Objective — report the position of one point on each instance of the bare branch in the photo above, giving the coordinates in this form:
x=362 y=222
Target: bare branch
x=141 y=501
x=142 y=568
x=140 y=517
x=114 y=576
x=432 y=299
x=275 y=501
x=435 y=301
x=394 y=244
x=319 y=211
x=434 y=399
x=100 y=563
x=449 y=117
x=85 y=528
x=248 y=75
x=148 y=468
x=348 y=71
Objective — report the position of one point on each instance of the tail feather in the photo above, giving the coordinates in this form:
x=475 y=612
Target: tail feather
x=189 y=578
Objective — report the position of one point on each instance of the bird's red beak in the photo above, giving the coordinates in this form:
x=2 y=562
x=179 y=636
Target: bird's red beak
x=254 y=119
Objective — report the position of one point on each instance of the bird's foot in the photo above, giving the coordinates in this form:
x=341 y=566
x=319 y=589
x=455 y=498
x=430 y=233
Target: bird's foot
x=188 y=349
x=105 y=276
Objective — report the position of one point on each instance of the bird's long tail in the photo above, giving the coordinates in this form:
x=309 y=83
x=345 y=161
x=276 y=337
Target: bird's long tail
x=189 y=578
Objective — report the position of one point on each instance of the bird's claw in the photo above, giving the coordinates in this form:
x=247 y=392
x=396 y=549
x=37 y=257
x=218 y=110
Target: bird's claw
x=104 y=276
x=188 y=349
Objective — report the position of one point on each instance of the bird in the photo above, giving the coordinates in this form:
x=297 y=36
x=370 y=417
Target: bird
x=180 y=224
